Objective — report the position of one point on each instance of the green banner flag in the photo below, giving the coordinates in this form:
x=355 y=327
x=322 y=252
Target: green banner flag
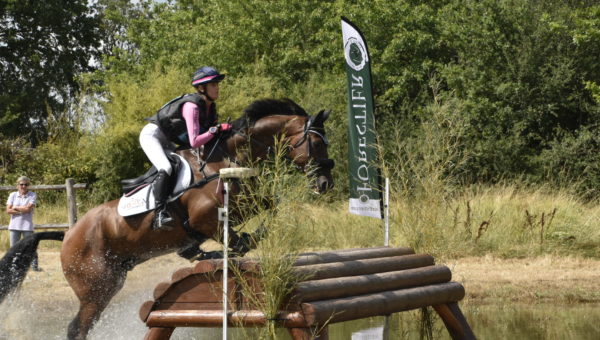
x=365 y=190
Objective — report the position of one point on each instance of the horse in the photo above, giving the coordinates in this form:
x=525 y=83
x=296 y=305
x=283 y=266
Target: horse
x=102 y=246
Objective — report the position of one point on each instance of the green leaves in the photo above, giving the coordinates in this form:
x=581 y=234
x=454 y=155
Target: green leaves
x=44 y=45
x=524 y=76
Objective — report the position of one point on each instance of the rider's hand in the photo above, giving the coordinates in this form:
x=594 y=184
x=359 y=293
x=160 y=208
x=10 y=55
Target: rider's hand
x=225 y=126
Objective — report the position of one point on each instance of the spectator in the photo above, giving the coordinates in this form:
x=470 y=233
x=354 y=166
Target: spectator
x=20 y=206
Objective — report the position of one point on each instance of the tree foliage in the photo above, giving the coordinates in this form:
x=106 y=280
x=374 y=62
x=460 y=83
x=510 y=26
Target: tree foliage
x=44 y=45
x=520 y=78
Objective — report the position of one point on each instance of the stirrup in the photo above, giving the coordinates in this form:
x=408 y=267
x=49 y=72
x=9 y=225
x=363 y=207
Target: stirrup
x=163 y=220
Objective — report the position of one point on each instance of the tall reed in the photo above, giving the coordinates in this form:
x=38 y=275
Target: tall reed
x=275 y=201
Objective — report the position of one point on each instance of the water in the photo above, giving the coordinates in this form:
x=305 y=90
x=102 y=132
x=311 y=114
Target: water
x=24 y=319
x=374 y=333
x=511 y=321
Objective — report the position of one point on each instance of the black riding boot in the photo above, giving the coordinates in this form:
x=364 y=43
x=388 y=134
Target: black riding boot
x=161 y=192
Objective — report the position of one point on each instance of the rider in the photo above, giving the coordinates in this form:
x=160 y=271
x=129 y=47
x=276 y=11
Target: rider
x=188 y=121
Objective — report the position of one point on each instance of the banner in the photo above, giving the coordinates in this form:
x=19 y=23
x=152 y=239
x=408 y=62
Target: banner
x=365 y=188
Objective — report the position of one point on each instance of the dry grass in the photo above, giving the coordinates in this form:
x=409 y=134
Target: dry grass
x=546 y=279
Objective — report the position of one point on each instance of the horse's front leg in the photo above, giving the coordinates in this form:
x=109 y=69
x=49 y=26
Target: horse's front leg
x=241 y=243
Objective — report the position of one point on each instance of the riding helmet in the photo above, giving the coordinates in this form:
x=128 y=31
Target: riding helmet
x=205 y=75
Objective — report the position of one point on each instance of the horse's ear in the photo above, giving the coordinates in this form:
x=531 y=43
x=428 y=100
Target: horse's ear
x=321 y=117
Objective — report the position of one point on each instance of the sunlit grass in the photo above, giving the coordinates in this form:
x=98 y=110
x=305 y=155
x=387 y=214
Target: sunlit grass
x=502 y=220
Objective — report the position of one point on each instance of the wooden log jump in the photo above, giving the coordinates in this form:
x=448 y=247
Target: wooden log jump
x=335 y=286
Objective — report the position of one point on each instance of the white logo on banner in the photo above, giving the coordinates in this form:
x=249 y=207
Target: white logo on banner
x=355 y=53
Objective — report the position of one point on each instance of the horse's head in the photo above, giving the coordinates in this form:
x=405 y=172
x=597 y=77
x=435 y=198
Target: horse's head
x=308 y=148
x=266 y=120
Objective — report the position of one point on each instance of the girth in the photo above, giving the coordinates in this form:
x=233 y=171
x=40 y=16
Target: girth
x=182 y=211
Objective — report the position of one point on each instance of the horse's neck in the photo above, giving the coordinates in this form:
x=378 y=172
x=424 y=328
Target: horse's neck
x=205 y=164
x=236 y=150
x=265 y=131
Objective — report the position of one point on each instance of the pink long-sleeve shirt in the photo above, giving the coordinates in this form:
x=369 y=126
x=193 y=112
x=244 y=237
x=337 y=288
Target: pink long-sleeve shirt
x=191 y=114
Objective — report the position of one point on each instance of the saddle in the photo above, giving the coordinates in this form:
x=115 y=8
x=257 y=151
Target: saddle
x=138 y=196
x=129 y=186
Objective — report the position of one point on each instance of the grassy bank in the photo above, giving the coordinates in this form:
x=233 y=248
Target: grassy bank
x=504 y=221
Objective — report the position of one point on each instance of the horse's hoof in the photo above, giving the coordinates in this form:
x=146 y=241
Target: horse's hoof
x=191 y=252
x=211 y=255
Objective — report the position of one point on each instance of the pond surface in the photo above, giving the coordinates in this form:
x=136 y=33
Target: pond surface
x=543 y=322
x=25 y=319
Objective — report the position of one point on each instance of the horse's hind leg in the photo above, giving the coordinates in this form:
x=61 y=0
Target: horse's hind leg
x=88 y=314
x=94 y=295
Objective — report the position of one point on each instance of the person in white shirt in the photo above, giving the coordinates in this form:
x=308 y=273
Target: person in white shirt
x=20 y=206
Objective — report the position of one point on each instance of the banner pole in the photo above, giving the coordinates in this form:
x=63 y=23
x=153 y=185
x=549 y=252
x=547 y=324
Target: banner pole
x=386 y=212
x=225 y=254
x=386 y=242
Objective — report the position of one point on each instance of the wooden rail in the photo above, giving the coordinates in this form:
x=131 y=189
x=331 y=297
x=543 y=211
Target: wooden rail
x=336 y=286
x=69 y=187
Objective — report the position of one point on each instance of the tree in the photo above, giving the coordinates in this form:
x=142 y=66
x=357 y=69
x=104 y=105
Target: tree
x=44 y=45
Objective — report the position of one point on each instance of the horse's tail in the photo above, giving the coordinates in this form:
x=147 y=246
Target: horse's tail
x=16 y=261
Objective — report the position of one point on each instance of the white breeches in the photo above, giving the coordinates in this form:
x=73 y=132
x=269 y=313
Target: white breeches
x=155 y=144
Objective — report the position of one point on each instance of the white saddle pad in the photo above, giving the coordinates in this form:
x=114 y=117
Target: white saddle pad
x=143 y=199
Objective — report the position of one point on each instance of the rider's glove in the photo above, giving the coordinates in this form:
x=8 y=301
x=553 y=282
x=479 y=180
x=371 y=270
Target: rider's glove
x=225 y=126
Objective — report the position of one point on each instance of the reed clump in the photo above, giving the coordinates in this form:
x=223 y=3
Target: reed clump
x=274 y=201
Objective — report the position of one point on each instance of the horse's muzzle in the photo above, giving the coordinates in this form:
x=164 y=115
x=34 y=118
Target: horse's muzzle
x=324 y=183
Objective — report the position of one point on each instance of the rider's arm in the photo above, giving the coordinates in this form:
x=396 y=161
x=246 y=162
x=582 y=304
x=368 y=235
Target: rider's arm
x=191 y=113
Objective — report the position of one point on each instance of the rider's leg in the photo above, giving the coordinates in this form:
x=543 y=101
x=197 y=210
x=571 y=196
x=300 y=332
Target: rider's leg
x=154 y=143
x=161 y=193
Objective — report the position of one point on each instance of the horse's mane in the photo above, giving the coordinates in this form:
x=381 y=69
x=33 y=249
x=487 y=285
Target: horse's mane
x=268 y=107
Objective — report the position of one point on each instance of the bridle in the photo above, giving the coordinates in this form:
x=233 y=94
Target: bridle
x=321 y=163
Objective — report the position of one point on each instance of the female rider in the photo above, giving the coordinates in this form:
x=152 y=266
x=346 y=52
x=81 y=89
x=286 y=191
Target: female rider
x=188 y=121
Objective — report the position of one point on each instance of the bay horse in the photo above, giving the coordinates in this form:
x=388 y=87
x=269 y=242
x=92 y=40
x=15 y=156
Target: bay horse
x=102 y=246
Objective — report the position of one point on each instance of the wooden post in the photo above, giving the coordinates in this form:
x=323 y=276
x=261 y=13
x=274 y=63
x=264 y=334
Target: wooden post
x=455 y=321
x=71 y=201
